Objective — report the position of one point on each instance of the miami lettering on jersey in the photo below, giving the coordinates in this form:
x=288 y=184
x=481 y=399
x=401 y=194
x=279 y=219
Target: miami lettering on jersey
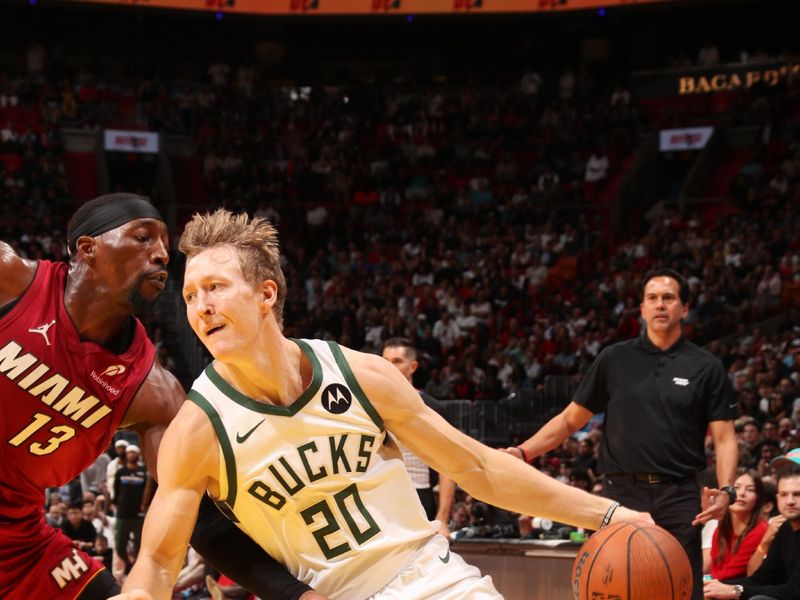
x=75 y=404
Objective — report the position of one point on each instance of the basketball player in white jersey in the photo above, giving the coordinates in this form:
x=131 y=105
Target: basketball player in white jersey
x=285 y=435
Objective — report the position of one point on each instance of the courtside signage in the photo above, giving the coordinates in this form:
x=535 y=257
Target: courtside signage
x=685 y=138
x=118 y=140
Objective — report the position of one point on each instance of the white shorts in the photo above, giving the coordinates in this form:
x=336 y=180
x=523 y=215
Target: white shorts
x=436 y=573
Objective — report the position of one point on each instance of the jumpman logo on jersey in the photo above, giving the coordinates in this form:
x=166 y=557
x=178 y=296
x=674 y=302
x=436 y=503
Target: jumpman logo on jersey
x=43 y=330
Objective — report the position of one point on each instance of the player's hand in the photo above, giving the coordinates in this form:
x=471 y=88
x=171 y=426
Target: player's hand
x=132 y=595
x=716 y=589
x=443 y=530
x=713 y=504
x=631 y=516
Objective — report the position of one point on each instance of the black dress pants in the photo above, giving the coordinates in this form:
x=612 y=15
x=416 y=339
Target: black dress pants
x=673 y=506
x=428 y=501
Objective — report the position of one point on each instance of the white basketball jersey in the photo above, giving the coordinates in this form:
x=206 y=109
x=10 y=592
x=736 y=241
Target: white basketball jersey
x=306 y=481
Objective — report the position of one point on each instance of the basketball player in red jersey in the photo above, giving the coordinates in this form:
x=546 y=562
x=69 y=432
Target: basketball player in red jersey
x=76 y=365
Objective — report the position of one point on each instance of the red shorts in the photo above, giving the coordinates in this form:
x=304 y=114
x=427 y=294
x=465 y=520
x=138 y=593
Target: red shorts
x=39 y=562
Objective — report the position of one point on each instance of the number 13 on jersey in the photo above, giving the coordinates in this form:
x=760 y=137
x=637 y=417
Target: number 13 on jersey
x=63 y=433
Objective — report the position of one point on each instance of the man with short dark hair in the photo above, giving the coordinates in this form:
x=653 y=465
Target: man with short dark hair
x=778 y=577
x=79 y=530
x=75 y=366
x=660 y=394
x=751 y=434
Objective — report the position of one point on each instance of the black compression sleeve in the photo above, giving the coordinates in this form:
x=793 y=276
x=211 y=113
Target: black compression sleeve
x=232 y=552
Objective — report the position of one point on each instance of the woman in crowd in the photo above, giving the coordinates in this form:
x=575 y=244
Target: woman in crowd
x=741 y=529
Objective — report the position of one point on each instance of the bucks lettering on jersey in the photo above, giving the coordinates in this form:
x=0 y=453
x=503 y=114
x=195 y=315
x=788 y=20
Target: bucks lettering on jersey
x=306 y=481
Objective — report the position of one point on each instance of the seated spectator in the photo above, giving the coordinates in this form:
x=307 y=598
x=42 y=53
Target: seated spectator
x=438 y=386
x=102 y=552
x=740 y=530
x=778 y=576
x=79 y=530
x=708 y=55
x=580 y=478
x=55 y=514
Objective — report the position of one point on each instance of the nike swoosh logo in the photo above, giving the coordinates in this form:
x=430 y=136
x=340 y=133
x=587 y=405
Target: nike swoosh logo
x=446 y=558
x=242 y=438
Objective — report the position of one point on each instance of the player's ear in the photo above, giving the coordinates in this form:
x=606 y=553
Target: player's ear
x=269 y=294
x=86 y=248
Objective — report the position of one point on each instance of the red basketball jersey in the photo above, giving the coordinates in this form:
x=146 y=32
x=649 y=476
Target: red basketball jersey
x=61 y=398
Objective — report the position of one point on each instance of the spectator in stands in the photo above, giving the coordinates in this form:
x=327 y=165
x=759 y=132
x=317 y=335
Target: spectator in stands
x=438 y=386
x=129 y=497
x=56 y=513
x=115 y=464
x=94 y=511
x=79 y=530
x=741 y=528
x=778 y=576
x=708 y=55
x=93 y=478
x=751 y=435
x=530 y=83
x=101 y=552
x=447 y=332
x=596 y=166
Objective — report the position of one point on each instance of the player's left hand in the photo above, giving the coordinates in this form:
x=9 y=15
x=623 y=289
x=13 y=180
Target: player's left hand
x=716 y=589
x=713 y=504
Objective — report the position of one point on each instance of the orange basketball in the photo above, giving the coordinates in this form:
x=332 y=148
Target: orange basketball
x=631 y=562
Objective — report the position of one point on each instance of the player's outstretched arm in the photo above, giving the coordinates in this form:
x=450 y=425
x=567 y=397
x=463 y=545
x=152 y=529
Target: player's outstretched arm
x=489 y=475
x=16 y=274
x=188 y=461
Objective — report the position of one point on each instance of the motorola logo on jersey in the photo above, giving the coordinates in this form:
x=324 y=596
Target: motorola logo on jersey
x=336 y=398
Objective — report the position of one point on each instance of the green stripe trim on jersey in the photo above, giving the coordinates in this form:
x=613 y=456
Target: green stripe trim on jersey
x=224 y=443
x=352 y=383
x=270 y=409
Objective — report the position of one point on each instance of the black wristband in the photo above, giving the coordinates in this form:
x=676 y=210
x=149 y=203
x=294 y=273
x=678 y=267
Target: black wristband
x=731 y=493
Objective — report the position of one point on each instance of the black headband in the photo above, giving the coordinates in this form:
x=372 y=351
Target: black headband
x=110 y=216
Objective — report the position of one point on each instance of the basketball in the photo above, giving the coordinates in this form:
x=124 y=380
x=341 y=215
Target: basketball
x=631 y=562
